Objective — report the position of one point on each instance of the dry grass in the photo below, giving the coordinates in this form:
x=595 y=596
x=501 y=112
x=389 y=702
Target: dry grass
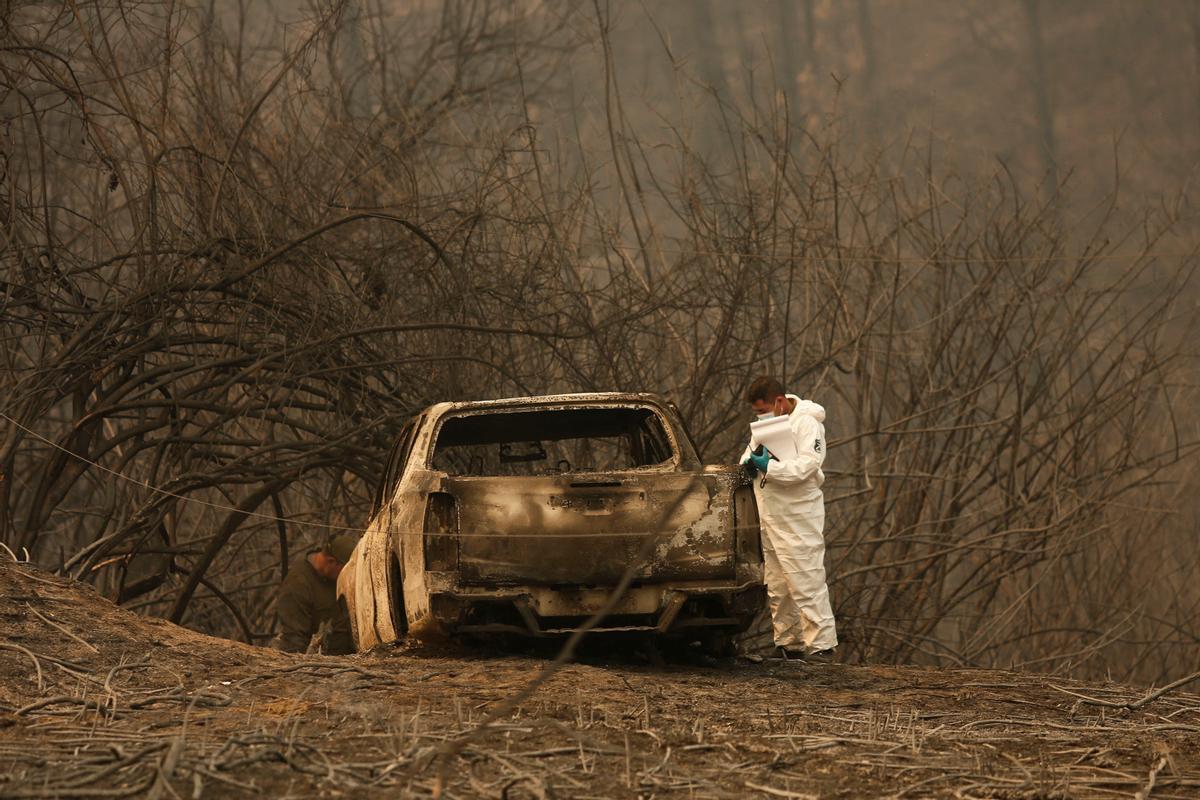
x=162 y=712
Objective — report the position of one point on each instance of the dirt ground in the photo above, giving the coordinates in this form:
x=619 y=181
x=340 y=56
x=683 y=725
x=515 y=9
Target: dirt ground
x=98 y=702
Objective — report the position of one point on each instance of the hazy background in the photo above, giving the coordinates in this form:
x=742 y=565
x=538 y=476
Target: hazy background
x=1093 y=92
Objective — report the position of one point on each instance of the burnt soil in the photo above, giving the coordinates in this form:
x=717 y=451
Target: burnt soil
x=131 y=706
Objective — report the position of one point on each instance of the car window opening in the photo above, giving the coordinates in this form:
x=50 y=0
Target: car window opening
x=551 y=442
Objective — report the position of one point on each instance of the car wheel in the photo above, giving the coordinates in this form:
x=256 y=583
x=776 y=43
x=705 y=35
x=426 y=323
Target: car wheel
x=718 y=645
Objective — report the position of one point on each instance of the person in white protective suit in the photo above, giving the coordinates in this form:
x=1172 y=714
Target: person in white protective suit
x=791 y=509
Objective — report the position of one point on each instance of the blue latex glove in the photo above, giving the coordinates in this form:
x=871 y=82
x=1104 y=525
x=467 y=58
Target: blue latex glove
x=760 y=461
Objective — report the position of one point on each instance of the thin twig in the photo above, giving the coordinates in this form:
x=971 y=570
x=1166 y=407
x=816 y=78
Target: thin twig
x=62 y=629
x=1131 y=705
x=37 y=665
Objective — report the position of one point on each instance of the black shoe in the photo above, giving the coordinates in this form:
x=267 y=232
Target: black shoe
x=820 y=657
x=798 y=654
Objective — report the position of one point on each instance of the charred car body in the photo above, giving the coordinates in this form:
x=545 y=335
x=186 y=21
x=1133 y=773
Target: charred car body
x=522 y=515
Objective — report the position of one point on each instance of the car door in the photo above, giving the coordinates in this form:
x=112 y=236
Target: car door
x=372 y=590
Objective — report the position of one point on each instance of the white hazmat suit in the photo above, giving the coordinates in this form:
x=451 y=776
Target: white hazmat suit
x=791 y=508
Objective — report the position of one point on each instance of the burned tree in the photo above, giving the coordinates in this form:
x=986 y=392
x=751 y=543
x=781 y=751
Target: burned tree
x=232 y=267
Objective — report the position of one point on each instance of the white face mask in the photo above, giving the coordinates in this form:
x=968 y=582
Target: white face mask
x=768 y=415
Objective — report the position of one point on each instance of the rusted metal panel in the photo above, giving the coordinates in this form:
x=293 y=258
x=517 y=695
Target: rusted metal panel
x=550 y=531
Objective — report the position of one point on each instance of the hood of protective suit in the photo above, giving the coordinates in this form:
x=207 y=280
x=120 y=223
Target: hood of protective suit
x=808 y=407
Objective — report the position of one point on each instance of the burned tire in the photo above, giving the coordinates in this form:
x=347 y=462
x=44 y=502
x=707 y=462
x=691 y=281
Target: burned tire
x=718 y=645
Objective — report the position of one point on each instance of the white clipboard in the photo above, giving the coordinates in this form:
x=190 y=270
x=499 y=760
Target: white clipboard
x=775 y=434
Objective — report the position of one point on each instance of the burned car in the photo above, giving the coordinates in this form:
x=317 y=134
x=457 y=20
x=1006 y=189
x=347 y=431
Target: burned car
x=521 y=516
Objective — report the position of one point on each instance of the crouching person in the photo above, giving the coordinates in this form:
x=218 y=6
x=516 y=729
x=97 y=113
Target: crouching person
x=310 y=618
x=791 y=509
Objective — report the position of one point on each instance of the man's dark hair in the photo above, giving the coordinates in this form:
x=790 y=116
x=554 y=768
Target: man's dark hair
x=764 y=388
x=340 y=547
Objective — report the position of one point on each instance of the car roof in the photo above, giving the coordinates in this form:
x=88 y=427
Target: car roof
x=632 y=398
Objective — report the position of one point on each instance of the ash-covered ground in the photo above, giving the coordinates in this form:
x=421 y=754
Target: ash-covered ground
x=98 y=702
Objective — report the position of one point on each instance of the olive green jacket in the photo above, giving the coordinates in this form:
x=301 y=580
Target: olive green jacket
x=308 y=606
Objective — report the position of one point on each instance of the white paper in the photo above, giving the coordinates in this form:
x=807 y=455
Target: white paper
x=775 y=434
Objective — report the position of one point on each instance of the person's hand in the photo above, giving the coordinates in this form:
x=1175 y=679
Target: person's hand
x=749 y=464
x=760 y=460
